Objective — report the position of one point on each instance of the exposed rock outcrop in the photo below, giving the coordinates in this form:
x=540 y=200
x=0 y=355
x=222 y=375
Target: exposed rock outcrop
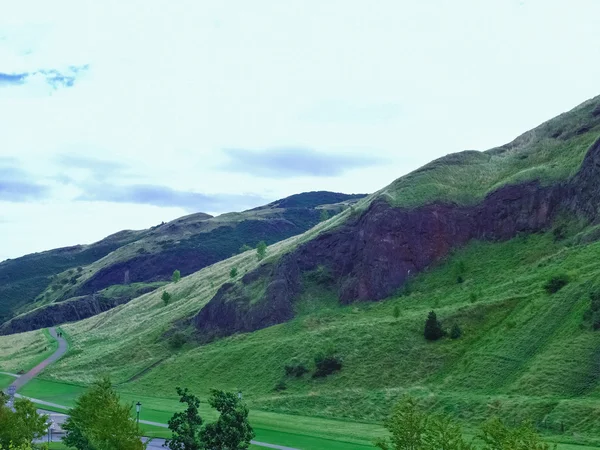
x=372 y=255
x=68 y=311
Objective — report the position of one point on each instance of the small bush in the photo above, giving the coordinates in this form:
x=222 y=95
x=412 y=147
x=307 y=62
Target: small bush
x=592 y=315
x=233 y=272
x=281 y=386
x=245 y=248
x=176 y=276
x=396 y=312
x=460 y=279
x=261 y=250
x=326 y=364
x=433 y=328
x=472 y=297
x=456 y=332
x=295 y=369
x=321 y=275
x=556 y=283
x=177 y=340
x=166 y=297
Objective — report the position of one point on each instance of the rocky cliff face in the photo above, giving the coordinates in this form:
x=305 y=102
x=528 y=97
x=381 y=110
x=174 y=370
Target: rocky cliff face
x=371 y=256
x=75 y=309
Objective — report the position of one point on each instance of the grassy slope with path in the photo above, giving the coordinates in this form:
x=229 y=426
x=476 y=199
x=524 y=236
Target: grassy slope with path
x=524 y=353
x=499 y=358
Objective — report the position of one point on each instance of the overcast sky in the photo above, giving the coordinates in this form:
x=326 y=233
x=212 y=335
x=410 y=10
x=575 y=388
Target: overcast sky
x=122 y=114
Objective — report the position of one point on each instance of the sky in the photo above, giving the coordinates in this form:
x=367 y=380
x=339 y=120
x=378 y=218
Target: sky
x=123 y=114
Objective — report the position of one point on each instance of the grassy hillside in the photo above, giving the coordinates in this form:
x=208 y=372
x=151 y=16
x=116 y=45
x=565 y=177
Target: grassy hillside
x=188 y=244
x=25 y=278
x=549 y=153
x=524 y=352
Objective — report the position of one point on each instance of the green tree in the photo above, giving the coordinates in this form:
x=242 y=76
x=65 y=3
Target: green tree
x=245 y=248
x=21 y=426
x=100 y=422
x=396 y=312
x=166 y=297
x=407 y=425
x=231 y=431
x=433 y=328
x=261 y=250
x=233 y=272
x=176 y=276
x=412 y=429
x=186 y=426
x=444 y=434
x=324 y=215
x=495 y=435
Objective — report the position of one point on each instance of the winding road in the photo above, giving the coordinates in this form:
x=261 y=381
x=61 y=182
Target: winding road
x=60 y=351
x=58 y=419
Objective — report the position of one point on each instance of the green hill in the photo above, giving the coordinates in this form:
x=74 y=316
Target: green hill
x=146 y=257
x=512 y=261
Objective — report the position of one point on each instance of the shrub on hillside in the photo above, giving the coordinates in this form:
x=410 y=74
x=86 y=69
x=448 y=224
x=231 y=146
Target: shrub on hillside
x=326 y=364
x=321 y=275
x=456 y=332
x=245 y=248
x=166 y=297
x=396 y=312
x=176 y=276
x=233 y=272
x=261 y=250
x=556 y=283
x=280 y=386
x=177 y=340
x=592 y=315
x=433 y=328
x=295 y=369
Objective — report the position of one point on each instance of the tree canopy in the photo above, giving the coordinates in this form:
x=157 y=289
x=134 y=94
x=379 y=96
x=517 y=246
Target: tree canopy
x=100 y=422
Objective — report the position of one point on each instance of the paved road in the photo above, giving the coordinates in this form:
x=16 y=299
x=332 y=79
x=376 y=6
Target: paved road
x=62 y=349
x=10 y=374
x=155 y=443
x=159 y=444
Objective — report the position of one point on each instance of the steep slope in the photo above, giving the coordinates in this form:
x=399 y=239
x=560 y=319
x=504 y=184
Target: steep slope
x=375 y=251
x=23 y=279
x=148 y=256
x=524 y=352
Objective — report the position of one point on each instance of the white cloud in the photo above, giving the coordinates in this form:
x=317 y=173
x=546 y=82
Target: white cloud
x=171 y=84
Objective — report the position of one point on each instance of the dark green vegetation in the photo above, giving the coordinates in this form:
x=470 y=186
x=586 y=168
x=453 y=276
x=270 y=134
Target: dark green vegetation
x=140 y=258
x=23 y=279
x=21 y=426
x=231 y=430
x=411 y=428
x=100 y=422
x=516 y=312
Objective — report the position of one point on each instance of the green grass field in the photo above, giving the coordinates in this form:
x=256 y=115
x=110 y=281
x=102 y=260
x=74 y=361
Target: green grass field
x=523 y=354
x=21 y=352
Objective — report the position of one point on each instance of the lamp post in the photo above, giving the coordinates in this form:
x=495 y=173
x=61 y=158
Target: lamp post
x=50 y=428
x=138 y=408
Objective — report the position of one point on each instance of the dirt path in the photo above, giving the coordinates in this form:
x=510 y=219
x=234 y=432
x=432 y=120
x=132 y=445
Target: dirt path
x=60 y=351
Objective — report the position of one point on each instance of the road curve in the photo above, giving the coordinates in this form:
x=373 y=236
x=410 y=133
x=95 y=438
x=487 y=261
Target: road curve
x=60 y=351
